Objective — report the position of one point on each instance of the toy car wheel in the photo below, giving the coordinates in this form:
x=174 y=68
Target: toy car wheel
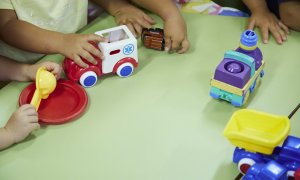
x=88 y=79
x=125 y=70
x=244 y=164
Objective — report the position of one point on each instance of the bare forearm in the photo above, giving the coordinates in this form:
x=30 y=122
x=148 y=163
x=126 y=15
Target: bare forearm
x=165 y=10
x=29 y=37
x=12 y=71
x=5 y=139
x=112 y=6
x=256 y=5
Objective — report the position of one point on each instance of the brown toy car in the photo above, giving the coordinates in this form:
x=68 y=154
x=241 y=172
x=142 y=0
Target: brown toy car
x=153 y=38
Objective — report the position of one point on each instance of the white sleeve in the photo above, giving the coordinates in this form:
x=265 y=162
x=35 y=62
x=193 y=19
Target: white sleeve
x=6 y=4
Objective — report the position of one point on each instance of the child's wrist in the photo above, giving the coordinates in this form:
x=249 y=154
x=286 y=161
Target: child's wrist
x=10 y=140
x=59 y=47
x=169 y=14
x=259 y=9
x=25 y=72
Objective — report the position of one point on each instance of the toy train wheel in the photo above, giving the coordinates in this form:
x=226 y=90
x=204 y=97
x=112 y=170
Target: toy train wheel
x=88 y=79
x=246 y=97
x=253 y=86
x=244 y=164
x=125 y=70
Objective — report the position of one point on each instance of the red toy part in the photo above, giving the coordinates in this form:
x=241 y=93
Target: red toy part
x=74 y=71
x=125 y=60
x=67 y=102
x=297 y=174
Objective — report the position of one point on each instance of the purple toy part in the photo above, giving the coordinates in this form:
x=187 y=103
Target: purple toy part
x=234 y=67
x=235 y=78
x=255 y=54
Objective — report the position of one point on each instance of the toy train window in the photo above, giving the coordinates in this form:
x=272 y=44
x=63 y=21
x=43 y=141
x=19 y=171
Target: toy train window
x=116 y=35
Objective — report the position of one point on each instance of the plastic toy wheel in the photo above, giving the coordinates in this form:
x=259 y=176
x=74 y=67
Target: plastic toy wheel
x=253 y=86
x=246 y=97
x=244 y=164
x=88 y=79
x=125 y=70
x=262 y=73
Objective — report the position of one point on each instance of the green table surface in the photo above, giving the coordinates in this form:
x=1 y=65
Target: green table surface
x=160 y=123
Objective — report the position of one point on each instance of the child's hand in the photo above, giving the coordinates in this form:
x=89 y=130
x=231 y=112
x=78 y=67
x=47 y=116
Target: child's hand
x=134 y=18
x=22 y=122
x=77 y=46
x=267 y=21
x=176 y=34
x=52 y=67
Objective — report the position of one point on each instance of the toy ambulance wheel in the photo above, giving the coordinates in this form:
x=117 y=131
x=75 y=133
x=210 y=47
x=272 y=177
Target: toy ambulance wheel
x=244 y=164
x=125 y=70
x=88 y=79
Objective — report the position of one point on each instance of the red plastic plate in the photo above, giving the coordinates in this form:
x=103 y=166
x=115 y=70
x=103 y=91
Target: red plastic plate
x=67 y=102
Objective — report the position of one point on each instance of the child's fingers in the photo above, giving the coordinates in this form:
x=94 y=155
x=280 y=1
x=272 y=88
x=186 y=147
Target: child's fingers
x=78 y=61
x=149 y=19
x=131 y=28
x=91 y=49
x=284 y=27
x=53 y=68
x=251 y=24
x=33 y=119
x=57 y=71
x=276 y=34
x=31 y=112
x=185 y=46
x=26 y=107
x=86 y=55
x=143 y=23
x=175 y=44
x=96 y=38
x=138 y=29
x=34 y=126
x=265 y=34
x=168 y=44
x=281 y=32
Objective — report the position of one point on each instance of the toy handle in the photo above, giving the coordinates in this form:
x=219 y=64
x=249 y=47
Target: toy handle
x=36 y=99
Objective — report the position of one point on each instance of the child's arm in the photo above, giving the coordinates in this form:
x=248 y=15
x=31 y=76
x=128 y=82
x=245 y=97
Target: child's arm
x=127 y=14
x=25 y=119
x=174 y=24
x=266 y=21
x=31 y=38
x=20 y=124
x=13 y=71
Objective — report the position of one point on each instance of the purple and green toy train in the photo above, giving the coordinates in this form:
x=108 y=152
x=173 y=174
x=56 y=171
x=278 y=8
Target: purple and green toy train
x=239 y=73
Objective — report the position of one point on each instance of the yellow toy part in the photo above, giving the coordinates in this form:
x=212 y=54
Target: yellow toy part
x=257 y=131
x=45 y=84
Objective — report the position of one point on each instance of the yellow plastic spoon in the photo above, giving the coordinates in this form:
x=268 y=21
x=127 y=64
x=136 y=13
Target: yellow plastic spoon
x=45 y=84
